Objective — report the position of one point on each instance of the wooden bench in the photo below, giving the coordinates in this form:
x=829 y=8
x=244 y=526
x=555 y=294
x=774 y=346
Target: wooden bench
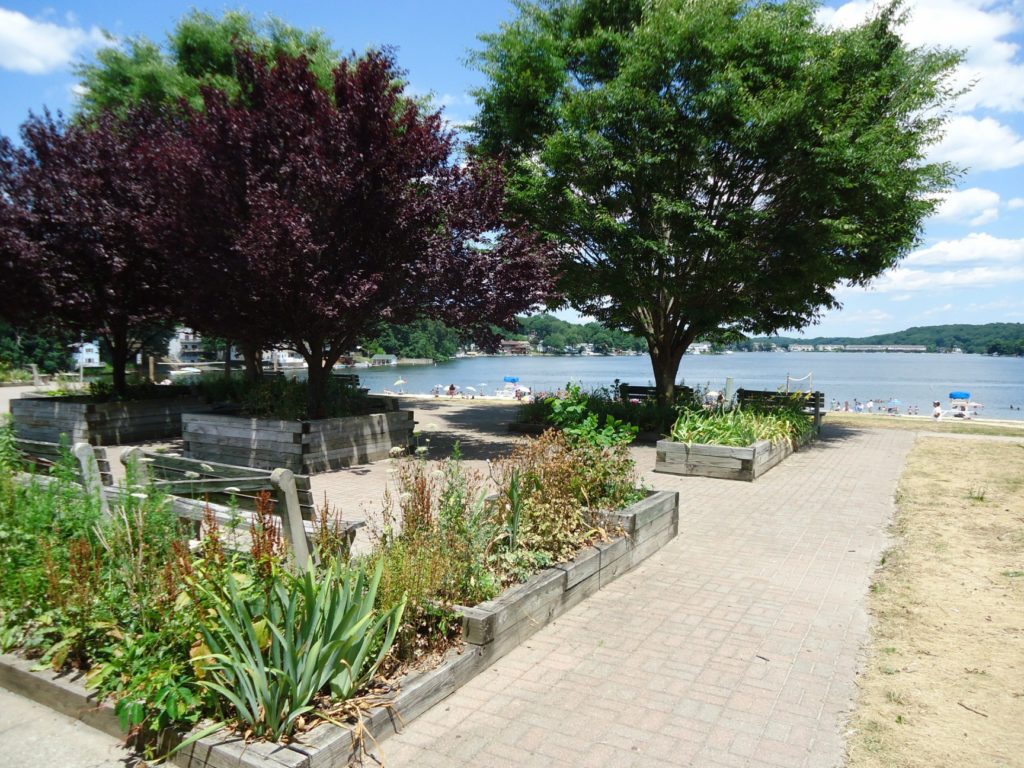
x=348 y=379
x=812 y=403
x=629 y=392
x=92 y=467
x=226 y=488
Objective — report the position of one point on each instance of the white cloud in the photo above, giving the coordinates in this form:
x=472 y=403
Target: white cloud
x=1015 y=203
x=974 y=206
x=977 y=246
x=979 y=145
x=39 y=47
x=908 y=279
x=991 y=62
x=902 y=297
x=867 y=316
x=937 y=310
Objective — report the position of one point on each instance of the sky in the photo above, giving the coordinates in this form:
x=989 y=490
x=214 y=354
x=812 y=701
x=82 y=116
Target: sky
x=968 y=268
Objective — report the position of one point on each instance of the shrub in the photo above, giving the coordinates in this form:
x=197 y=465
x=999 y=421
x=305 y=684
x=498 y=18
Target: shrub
x=574 y=406
x=437 y=555
x=553 y=494
x=283 y=398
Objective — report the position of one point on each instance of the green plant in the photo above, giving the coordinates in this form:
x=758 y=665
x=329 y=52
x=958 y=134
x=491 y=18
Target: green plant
x=270 y=653
x=741 y=426
x=10 y=457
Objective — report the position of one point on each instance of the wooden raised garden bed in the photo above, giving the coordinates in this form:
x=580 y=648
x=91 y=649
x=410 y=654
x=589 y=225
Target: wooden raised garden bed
x=727 y=462
x=301 y=446
x=490 y=631
x=113 y=423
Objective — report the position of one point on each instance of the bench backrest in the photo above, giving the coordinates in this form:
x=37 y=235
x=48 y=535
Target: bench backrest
x=813 y=402
x=217 y=483
x=39 y=455
x=351 y=379
x=629 y=392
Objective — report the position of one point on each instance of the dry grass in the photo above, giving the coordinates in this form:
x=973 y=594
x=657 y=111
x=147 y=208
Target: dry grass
x=944 y=683
x=926 y=424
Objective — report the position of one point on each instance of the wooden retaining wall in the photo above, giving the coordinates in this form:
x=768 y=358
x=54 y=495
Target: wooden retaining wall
x=491 y=630
x=727 y=462
x=301 y=446
x=114 y=423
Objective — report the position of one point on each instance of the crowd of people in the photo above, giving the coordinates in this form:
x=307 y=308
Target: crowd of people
x=890 y=407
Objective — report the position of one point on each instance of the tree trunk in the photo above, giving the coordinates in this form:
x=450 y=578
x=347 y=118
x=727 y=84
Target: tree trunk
x=320 y=361
x=119 y=360
x=665 y=361
x=253 y=362
x=316 y=387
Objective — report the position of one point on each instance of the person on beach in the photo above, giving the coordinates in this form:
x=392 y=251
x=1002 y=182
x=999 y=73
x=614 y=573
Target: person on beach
x=451 y=390
x=936 y=409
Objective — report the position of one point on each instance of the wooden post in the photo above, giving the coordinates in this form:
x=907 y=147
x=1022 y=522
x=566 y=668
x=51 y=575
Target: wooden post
x=136 y=455
x=290 y=512
x=152 y=368
x=91 y=474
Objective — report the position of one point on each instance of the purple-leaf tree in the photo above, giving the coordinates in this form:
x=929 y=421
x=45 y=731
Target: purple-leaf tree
x=80 y=217
x=307 y=216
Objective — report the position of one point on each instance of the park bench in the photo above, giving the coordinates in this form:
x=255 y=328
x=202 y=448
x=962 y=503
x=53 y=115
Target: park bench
x=629 y=392
x=92 y=467
x=813 y=403
x=196 y=488
x=349 y=379
x=232 y=493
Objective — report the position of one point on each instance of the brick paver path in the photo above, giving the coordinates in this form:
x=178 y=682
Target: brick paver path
x=736 y=645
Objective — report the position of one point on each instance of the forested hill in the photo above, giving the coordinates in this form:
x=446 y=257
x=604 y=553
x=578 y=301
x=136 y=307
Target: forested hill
x=990 y=338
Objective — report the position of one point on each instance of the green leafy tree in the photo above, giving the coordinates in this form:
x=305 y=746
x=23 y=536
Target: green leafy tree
x=199 y=53
x=717 y=166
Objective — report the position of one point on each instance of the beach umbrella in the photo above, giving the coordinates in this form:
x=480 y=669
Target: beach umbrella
x=400 y=382
x=512 y=379
x=471 y=389
x=959 y=395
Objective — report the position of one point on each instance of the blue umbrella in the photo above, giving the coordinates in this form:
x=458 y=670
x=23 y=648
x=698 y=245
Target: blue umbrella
x=960 y=395
x=512 y=379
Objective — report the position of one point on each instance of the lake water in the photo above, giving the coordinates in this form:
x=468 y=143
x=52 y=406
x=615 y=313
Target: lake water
x=913 y=379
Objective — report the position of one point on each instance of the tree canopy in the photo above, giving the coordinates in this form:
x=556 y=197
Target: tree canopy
x=199 y=53
x=81 y=213
x=307 y=216
x=713 y=167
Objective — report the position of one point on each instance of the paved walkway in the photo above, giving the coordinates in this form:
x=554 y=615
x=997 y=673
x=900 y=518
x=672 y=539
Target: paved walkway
x=736 y=645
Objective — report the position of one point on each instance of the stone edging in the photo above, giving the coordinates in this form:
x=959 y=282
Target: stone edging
x=490 y=630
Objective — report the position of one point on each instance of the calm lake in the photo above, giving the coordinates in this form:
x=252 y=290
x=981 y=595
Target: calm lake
x=913 y=379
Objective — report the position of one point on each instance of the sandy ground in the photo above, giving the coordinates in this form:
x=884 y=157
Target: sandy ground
x=980 y=426
x=944 y=680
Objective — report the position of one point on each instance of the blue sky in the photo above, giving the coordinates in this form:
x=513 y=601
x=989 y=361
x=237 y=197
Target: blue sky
x=969 y=267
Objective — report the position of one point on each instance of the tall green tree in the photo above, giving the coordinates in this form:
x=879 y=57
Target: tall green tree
x=717 y=166
x=199 y=53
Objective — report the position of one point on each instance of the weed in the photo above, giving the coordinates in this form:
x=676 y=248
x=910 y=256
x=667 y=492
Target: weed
x=895 y=697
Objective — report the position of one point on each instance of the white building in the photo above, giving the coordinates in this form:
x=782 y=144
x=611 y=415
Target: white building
x=186 y=346
x=86 y=355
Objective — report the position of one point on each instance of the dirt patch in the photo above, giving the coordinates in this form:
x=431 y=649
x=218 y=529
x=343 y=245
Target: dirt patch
x=926 y=424
x=944 y=681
